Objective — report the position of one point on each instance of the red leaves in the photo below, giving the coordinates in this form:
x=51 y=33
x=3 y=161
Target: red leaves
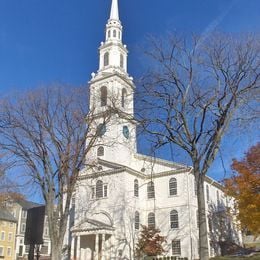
x=150 y=242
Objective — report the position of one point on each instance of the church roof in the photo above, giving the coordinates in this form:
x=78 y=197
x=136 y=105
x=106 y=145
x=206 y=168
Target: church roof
x=116 y=168
x=7 y=216
x=25 y=204
x=161 y=161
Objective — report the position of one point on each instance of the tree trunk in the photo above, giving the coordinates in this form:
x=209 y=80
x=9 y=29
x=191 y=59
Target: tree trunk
x=203 y=232
x=57 y=227
x=56 y=251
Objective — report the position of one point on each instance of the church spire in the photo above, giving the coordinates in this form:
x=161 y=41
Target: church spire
x=114 y=27
x=114 y=14
x=113 y=53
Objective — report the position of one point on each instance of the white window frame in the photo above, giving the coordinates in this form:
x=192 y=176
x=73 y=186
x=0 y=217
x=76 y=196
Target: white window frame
x=104 y=191
x=177 y=249
x=174 y=223
x=2 y=253
x=10 y=236
x=106 y=58
x=151 y=224
x=173 y=187
x=2 y=235
x=150 y=190
x=9 y=251
x=137 y=220
x=136 y=188
x=23 y=227
x=24 y=214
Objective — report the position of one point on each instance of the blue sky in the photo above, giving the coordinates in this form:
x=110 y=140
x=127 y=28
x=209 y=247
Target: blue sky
x=42 y=42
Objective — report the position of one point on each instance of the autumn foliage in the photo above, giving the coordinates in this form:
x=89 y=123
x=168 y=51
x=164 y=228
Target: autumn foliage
x=150 y=242
x=244 y=186
x=6 y=197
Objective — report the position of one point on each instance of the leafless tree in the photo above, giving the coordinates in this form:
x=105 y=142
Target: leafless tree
x=193 y=91
x=50 y=132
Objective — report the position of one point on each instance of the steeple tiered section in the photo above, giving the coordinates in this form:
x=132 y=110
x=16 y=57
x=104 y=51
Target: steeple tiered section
x=113 y=54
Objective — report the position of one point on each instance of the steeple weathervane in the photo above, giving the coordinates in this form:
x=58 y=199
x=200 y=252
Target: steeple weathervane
x=114 y=14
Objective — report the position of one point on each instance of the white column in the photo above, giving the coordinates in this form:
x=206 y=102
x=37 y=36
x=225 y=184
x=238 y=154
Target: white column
x=112 y=246
x=72 y=249
x=78 y=248
x=96 y=246
x=103 y=256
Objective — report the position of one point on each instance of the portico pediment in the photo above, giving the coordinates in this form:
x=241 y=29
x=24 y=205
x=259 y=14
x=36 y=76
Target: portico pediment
x=89 y=225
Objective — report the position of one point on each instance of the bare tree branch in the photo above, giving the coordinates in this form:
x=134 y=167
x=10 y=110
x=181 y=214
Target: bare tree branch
x=193 y=93
x=50 y=132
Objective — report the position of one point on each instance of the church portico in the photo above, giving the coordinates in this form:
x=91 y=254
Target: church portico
x=91 y=244
x=92 y=238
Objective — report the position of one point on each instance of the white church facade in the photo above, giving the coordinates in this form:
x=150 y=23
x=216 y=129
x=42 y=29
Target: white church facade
x=126 y=189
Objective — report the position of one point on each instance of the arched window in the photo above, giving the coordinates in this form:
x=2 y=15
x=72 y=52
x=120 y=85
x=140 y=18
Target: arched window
x=99 y=189
x=151 y=220
x=114 y=33
x=174 y=219
x=123 y=97
x=137 y=220
x=150 y=190
x=136 y=188
x=121 y=61
x=103 y=96
x=109 y=34
x=173 y=186
x=106 y=59
x=119 y=35
x=207 y=191
x=100 y=151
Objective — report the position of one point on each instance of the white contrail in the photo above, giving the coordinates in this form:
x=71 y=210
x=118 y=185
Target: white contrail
x=213 y=25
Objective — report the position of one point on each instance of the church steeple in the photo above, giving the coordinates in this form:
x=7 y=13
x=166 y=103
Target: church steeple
x=113 y=54
x=111 y=86
x=114 y=14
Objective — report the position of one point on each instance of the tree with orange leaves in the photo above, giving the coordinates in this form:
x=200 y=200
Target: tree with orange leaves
x=244 y=186
x=149 y=243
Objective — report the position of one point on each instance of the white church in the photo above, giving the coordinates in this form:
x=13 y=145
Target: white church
x=128 y=189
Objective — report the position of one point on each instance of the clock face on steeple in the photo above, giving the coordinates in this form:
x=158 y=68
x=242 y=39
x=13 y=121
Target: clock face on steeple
x=101 y=129
x=126 y=132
